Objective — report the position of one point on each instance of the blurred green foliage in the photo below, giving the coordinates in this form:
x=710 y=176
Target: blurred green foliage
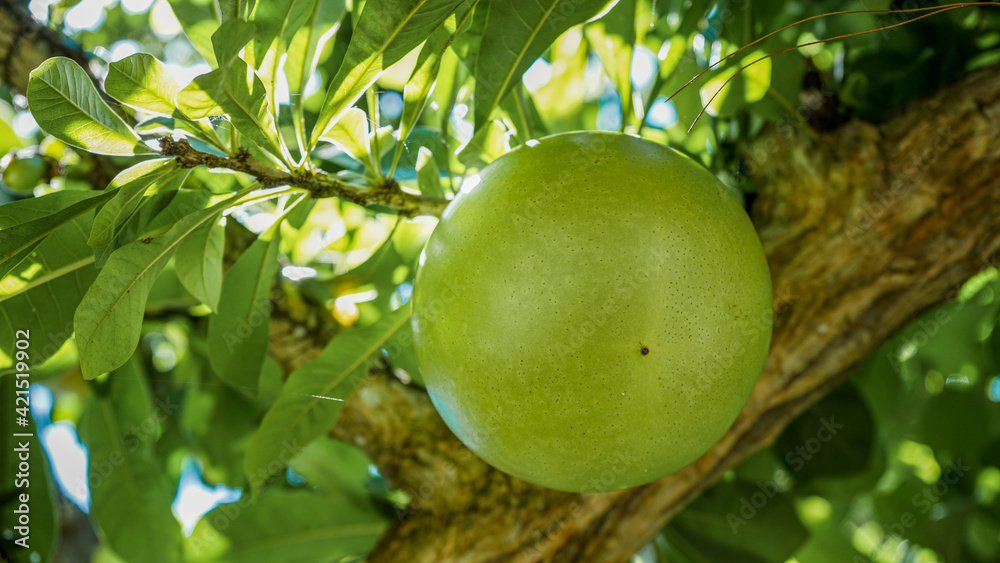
x=902 y=463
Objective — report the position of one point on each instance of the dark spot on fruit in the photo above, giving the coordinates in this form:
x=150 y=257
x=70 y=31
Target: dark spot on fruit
x=645 y=351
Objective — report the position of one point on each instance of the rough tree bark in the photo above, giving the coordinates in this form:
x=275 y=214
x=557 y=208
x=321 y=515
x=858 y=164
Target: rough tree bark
x=864 y=227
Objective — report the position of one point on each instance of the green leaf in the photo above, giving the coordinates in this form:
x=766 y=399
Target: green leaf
x=17 y=241
x=230 y=38
x=66 y=105
x=350 y=133
x=334 y=467
x=428 y=176
x=613 y=37
x=43 y=527
x=835 y=437
x=286 y=527
x=234 y=89
x=239 y=9
x=138 y=224
x=276 y=21
x=520 y=109
x=109 y=319
x=219 y=422
x=199 y=263
x=729 y=523
x=142 y=82
x=386 y=31
x=313 y=396
x=199 y=19
x=129 y=495
x=237 y=91
x=487 y=145
x=44 y=292
x=401 y=354
x=131 y=185
x=516 y=34
x=308 y=42
x=238 y=333
x=416 y=93
x=467 y=43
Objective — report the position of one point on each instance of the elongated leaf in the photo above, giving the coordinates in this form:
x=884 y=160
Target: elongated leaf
x=313 y=396
x=142 y=82
x=237 y=91
x=66 y=105
x=25 y=210
x=613 y=37
x=286 y=527
x=276 y=21
x=129 y=496
x=520 y=109
x=715 y=529
x=109 y=319
x=241 y=9
x=239 y=332
x=199 y=263
x=428 y=176
x=516 y=34
x=350 y=133
x=308 y=42
x=230 y=38
x=203 y=99
x=386 y=31
x=416 y=93
x=199 y=21
x=333 y=466
x=18 y=240
x=131 y=185
x=138 y=224
x=219 y=424
x=45 y=291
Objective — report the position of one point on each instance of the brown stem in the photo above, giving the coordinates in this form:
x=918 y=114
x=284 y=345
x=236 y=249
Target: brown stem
x=319 y=184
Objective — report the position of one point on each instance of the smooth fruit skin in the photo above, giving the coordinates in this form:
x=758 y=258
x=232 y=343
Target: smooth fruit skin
x=593 y=314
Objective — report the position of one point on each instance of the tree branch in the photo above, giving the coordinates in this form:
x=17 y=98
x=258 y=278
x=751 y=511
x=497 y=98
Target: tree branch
x=319 y=184
x=25 y=44
x=865 y=228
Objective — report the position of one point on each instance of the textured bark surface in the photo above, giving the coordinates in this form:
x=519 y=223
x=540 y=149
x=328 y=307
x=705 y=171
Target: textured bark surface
x=865 y=227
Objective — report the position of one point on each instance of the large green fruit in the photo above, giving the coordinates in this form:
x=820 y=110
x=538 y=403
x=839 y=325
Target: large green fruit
x=593 y=314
